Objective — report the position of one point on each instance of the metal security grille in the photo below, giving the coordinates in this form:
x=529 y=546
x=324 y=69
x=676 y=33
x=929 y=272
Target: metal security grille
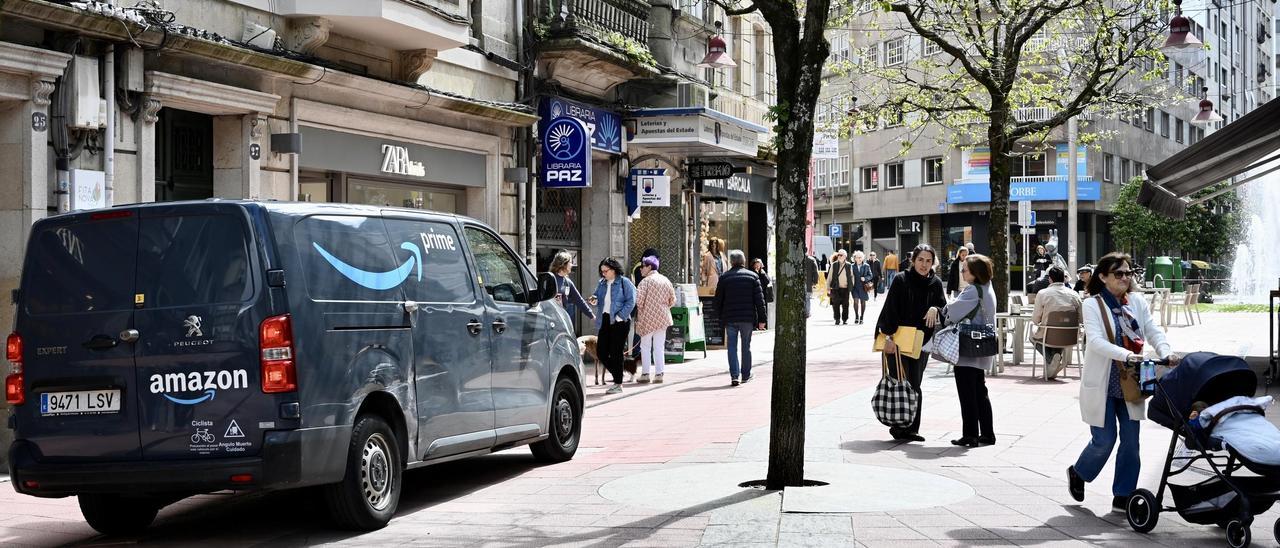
x=560 y=217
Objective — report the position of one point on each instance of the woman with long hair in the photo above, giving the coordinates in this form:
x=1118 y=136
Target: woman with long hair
x=915 y=299
x=861 y=279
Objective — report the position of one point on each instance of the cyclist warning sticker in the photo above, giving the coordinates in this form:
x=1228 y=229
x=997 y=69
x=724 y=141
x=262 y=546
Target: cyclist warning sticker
x=205 y=442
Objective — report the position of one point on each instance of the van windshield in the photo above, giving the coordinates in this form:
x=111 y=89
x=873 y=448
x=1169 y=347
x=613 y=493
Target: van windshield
x=81 y=267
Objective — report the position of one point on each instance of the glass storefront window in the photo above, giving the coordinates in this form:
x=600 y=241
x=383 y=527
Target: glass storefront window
x=725 y=220
x=395 y=195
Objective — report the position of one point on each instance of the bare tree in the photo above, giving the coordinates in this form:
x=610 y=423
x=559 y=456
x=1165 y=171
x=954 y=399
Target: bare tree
x=985 y=66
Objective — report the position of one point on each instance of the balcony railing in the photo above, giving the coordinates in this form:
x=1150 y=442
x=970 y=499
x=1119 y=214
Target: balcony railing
x=1032 y=114
x=628 y=18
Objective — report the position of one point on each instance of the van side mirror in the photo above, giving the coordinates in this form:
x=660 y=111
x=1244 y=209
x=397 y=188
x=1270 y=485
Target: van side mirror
x=546 y=288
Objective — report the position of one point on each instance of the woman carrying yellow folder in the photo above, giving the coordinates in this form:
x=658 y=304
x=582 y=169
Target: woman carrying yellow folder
x=915 y=298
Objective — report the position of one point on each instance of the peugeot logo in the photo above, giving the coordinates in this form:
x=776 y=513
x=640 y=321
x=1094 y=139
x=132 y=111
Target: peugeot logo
x=192 y=323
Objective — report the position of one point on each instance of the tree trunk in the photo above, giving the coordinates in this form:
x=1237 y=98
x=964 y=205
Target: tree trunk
x=1001 y=147
x=799 y=83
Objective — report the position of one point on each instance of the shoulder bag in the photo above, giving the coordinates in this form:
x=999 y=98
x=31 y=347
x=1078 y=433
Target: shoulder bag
x=977 y=340
x=1128 y=376
x=946 y=341
x=895 y=401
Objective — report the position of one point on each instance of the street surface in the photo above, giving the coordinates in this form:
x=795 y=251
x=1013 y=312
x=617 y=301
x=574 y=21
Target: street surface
x=1013 y=493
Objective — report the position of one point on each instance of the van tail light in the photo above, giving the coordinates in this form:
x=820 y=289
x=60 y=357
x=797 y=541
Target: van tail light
x=276 y=343
x=14 y=392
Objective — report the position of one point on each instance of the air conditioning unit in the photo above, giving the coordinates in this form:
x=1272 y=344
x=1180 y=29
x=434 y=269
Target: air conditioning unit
x=84 y=87
x=258 y=36
x=689 y=94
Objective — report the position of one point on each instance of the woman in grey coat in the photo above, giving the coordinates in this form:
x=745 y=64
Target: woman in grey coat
x=971 y=381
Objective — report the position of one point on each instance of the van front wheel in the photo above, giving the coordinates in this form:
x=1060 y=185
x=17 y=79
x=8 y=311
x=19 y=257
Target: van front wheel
x=565 y=426
x=369 y=492
x=117 y=515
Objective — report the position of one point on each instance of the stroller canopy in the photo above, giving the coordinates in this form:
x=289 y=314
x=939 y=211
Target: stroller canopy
x=1202 y=376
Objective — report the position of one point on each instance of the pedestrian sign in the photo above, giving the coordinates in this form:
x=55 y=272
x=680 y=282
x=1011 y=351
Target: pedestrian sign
x=835 y=231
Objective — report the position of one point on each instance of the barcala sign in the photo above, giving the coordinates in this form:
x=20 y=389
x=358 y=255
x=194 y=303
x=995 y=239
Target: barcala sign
x=395 y=160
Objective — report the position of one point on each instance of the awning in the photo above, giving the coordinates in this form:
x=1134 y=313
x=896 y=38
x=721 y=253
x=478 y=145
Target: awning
x=1239 y=147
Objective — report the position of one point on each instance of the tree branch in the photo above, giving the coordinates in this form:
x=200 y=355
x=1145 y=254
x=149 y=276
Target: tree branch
x=738 y=11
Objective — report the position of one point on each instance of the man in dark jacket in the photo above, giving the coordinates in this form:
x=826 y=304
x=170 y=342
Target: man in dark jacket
x=740 y=302
x=877 y=274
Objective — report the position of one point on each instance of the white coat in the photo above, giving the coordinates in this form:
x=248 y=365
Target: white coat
x=1100 y=351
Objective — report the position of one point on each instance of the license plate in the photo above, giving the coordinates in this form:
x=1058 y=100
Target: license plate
x=84 y=402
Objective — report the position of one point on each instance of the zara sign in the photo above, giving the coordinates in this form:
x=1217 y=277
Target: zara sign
x=395 y=160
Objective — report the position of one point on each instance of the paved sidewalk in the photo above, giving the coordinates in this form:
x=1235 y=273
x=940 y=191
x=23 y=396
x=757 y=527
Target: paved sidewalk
x=695 y=419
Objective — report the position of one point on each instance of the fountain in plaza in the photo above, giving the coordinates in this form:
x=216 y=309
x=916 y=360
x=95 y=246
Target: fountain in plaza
x=1256 y=270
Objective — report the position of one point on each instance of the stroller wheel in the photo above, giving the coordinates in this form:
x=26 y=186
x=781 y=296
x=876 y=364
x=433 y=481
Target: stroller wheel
x=1238 y=535
x=1142 y=511
x=1275 y=530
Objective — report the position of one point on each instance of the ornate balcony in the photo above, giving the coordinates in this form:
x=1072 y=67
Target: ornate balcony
x=578 y=34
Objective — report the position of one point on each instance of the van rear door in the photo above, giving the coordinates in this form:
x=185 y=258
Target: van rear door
x=198 y=372
x=77 y=299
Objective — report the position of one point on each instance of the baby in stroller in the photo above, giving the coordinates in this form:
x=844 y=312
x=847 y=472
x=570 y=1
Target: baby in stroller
x=1240 y=426
x=1208 y=404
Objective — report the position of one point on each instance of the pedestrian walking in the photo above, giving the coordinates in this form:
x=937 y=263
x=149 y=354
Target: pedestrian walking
x=740 y=300
x=840 y=279
x=1118 y=329
x=862 y=287
x=890 y=268
x=614 y=299
x=654 y=298
x=810 y=280
x=566 y=292
x=915 y=299
x=977 y=303
x=955 y=279
x=766 y=284
x=877 y=274
x=1055 y=298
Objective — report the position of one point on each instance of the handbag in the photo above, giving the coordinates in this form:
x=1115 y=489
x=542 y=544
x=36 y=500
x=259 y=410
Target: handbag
x=946 y=341
x=908 y=339
x=895 y=401
x=1129 y=385
x=977 y=340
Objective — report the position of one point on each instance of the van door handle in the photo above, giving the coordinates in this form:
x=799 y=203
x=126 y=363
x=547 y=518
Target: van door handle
x=129 y=335
x=499 y=326
x=474 y=327
x=100 y=342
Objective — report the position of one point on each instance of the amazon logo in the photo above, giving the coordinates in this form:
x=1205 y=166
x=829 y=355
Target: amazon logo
x=381 y=281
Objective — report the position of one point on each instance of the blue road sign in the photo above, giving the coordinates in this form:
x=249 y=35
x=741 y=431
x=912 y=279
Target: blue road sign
x=836 y=231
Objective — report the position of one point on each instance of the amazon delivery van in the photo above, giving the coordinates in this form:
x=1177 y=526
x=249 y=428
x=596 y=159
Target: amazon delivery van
x=165 y=350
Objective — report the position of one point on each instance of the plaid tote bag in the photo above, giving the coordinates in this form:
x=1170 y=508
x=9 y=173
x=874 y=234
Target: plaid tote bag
x=894 y=402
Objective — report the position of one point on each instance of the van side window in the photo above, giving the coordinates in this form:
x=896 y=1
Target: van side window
x=81 y=267
x=500 y=272
x=446 y=278
x=350 y=258
x=193 y=259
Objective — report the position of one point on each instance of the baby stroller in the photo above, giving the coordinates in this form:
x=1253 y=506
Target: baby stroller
x=1228 y=498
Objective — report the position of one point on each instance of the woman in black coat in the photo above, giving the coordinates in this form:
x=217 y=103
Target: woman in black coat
x=915 y=299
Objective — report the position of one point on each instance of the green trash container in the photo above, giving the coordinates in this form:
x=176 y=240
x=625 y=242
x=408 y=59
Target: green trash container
x=1178 y=274
x=1163 y=267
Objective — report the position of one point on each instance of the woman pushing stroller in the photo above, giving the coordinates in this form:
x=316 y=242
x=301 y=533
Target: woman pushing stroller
x=1118 y=327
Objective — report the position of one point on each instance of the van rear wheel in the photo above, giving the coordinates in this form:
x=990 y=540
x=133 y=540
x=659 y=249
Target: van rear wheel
x=369 y=492
x=118 y=515
x=565 y=427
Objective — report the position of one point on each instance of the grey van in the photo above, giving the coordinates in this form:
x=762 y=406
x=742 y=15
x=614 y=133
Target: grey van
x=165 y=350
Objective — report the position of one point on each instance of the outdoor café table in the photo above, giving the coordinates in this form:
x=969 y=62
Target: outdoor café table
x=1015 y=323
x=1158 y=296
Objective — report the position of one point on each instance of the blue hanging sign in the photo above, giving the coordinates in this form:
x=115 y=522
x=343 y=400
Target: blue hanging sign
x=566 y=156
x=605 y=127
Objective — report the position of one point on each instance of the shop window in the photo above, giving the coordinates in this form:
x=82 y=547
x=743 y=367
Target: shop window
x=933 y=171
x=397 y=195
x=870 y=179
x=1028 y=165
x=894 y=176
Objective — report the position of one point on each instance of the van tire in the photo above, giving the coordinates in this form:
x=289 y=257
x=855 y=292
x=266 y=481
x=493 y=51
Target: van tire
x=369 y=492
x=118 y=515
x=564 y=428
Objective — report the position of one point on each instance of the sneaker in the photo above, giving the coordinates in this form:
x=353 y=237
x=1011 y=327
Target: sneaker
x=657 y=379
x=615 y=389
x=1120 y=504
x=734 y=382
x=749 y=377
x=1075 y=484
x=644 y=379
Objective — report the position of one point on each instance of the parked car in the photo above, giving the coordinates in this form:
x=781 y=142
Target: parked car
x=166 y=350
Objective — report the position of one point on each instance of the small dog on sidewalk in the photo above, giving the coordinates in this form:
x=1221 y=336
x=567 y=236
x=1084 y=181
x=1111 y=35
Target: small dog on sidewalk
x=587 y=346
